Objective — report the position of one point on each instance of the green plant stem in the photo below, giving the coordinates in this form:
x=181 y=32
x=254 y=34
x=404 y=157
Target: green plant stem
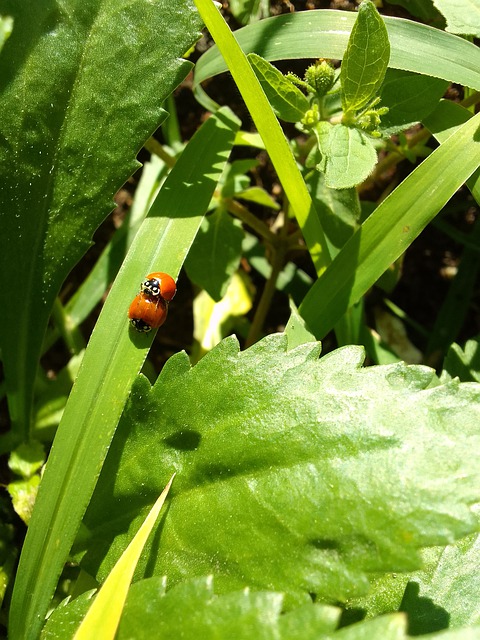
x=154 y=146
x=243 y=214
x=280 y=249
x=471 y=100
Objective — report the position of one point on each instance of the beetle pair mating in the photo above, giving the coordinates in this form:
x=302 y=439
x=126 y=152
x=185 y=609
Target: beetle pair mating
x=150 y=307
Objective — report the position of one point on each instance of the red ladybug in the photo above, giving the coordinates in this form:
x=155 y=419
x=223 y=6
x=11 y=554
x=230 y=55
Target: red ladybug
x=159 y=284
x=147 y=313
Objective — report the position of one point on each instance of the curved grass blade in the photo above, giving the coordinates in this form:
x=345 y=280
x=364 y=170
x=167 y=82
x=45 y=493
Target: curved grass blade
x=112 y=360
x=324 y=33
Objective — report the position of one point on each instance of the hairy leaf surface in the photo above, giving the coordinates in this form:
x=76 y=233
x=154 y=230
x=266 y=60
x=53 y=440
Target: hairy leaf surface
x=293 y=473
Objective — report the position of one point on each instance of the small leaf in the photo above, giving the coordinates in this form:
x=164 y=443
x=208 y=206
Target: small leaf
x=463 y=16
x=214 y=320
x=351 y=157
x=23 y=494
x=259 y=196
x=288 y=102
x=409 y=97
x=366 y=59
x=463 y=363
x=27 y=459
x=220 y=238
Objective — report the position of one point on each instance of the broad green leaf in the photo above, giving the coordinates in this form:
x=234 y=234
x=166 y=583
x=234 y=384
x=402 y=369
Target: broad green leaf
x=73 y=120
x=220 y=238
x=466 y=633
x=112 y=360
x=150 y=612
x=385 y=596
x=463 y=16
x=409 y=97
x=303 y=474
x=104 y=615
x=350 y=159
x=324 y=34
x=391 y=627
x=391 y=228
x=288 y=102
x=365 y=60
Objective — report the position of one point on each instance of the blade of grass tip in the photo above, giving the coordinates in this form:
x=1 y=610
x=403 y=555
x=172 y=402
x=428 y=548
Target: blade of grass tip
x=269 y=129
x=103 y=617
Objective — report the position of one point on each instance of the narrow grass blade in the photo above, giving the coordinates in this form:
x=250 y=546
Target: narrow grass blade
x=112 y=360
x=324 y=34
x=104 y=615
x=272 y=135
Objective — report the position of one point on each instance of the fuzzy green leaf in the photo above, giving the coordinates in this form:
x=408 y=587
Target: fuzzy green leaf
x=349 y=157
x=366 y=59
x=75 y=112
x=150 y=612
x=293 y=473
x=288 y=102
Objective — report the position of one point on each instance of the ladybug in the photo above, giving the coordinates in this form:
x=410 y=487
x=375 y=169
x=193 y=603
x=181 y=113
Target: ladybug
x=147 y=313
x=159 y=284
